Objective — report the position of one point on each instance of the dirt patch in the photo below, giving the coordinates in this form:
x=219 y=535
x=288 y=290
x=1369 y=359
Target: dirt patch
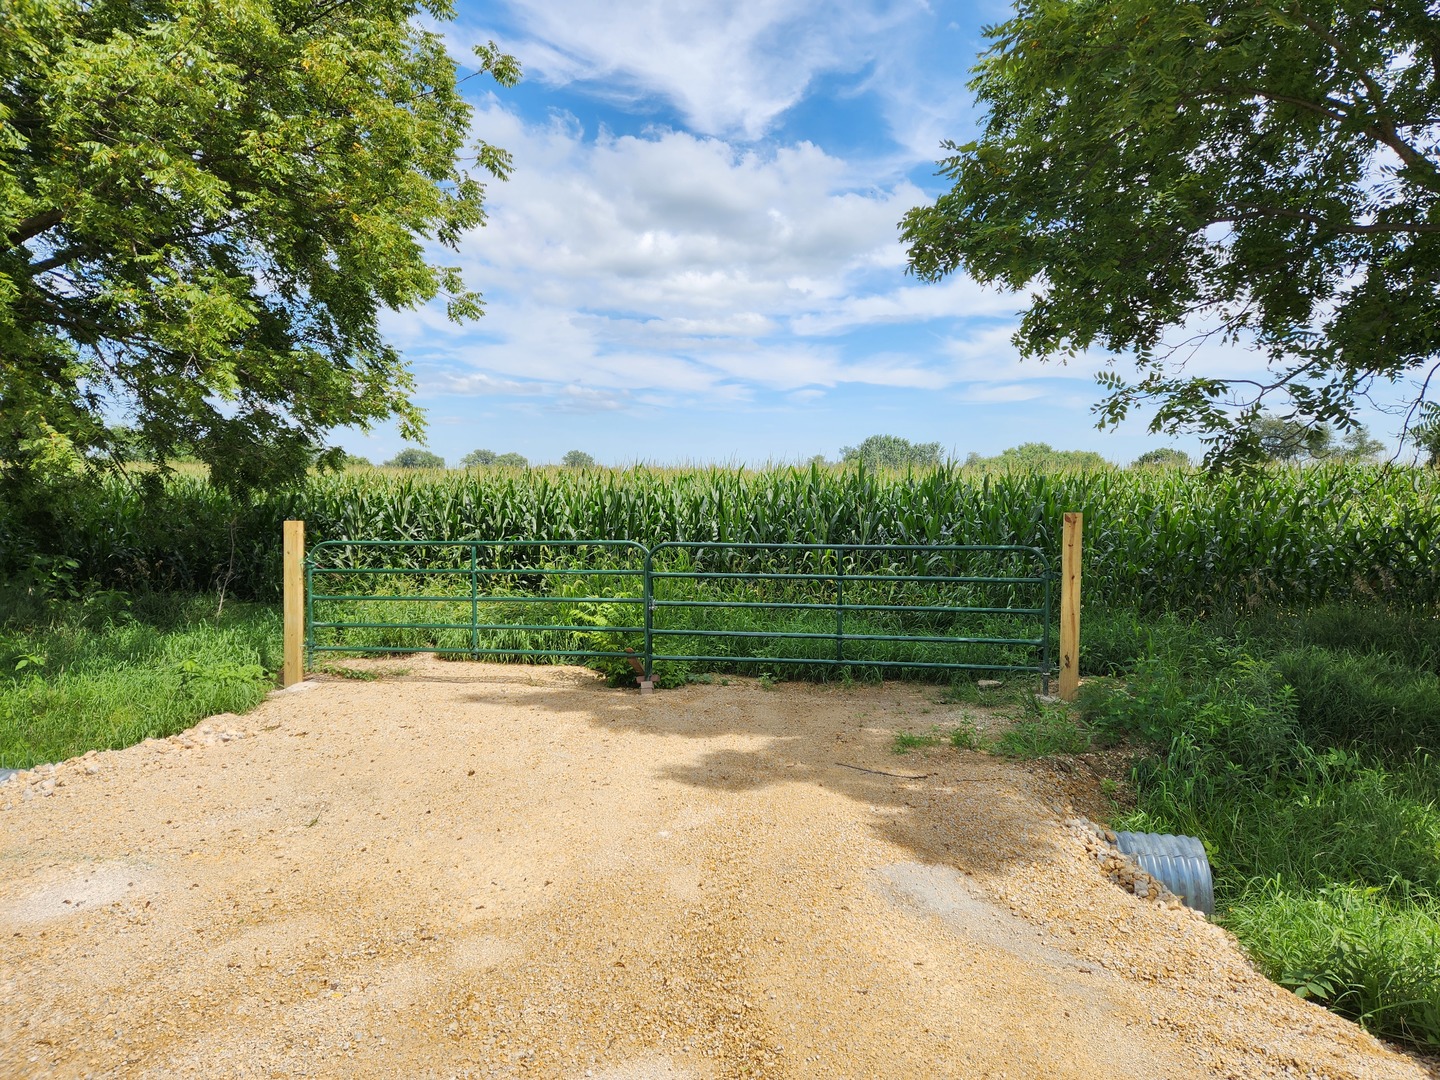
x=477 y=870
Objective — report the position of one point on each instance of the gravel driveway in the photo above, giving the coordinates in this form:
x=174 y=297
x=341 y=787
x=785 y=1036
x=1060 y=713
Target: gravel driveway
x=476 y=870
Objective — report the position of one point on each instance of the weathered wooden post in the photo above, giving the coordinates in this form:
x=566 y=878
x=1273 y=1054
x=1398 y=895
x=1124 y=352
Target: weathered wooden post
x=294 y=669
x=1070 y=607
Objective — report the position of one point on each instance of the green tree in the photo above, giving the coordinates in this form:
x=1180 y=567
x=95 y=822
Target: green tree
x=478 y=459
x=1162 y=457
x=412 y=457
x=512 y=460
x=1038 y=457
x=1359 y=445
x=891 y=452
x=1262 y=170
x=577 y=459
x=203 y=213
x=1283 y=438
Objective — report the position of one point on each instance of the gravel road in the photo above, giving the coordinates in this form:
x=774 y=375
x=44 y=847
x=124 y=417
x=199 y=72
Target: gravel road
x=477 y=870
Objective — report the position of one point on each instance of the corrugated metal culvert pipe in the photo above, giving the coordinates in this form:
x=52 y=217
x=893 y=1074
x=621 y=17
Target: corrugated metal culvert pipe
x=1177 y=862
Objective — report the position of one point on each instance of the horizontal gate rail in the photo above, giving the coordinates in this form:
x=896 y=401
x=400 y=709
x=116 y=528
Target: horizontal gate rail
x=475 y=574
x=671 y=580
x=854 y=578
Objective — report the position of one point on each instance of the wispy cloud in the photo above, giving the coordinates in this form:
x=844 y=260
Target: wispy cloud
x=728 y=69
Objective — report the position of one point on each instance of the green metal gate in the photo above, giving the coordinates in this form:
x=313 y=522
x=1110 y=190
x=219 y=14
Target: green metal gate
x=934 y=607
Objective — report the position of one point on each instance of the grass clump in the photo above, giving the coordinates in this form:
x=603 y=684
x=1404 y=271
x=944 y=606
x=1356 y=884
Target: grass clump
x=905 y=741
x=1053 y=731
x=962 y=736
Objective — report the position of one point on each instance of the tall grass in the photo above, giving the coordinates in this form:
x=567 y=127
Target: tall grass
x=110 y=670
x=1155 y=540
x=1309 y=772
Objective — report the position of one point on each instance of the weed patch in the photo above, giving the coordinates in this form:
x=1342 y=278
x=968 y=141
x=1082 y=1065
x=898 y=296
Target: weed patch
x=105 y=677
x=1305 y=769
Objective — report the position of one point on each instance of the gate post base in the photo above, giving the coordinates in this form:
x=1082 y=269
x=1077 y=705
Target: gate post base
x=647 y=686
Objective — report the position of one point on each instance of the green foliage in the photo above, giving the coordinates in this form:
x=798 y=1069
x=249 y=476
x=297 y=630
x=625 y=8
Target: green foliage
x=891 y=452
x=1289 y=439
x=1349 y=698
x=512 y=461
x=1359 y=446
x=1260 y=170
x=1052 y=730
x=905 y=741
x=117 y=670
x=412 y=457
x=965 y=736
x=201 y=218
x=478 y=459
x=1426 y=433
x=1297 y=764
x=1162 y=457
x=1368 y=958
x=1154 y=540
x=577 y=459
x=1038 y=457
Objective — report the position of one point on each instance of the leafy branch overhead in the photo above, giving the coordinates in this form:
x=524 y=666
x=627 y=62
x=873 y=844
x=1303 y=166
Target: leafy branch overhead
x=203 y=211
x=1157 y=174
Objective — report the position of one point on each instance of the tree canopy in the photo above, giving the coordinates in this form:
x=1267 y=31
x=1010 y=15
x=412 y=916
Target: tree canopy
x=412 y=457
x=1286 y=439
x=1162 y=457
x=577 y=459
x=1155 y=172
x=203 y=211
x=891 y=452
x=477 y=459
x=1037 y=457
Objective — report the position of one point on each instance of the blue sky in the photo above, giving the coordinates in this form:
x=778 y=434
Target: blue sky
x=697 y=257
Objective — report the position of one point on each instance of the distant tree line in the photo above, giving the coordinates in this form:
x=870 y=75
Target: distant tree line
x=412 y=457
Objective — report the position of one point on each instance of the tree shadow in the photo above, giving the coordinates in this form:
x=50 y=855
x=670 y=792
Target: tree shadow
x=940 y=804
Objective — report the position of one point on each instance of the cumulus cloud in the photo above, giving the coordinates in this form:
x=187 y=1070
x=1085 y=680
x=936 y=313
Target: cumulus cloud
x=677 y=264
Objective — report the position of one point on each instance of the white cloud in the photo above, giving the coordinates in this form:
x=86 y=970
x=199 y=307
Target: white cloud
x=729 y=69
x=1000 y=393
x=956 y=297
x=682 y=223
x=672 y=264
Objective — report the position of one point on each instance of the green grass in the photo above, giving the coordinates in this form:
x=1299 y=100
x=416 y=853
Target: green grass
x=1301 y=756
x=905 y=741
x=110 y=671
x=1053 y=732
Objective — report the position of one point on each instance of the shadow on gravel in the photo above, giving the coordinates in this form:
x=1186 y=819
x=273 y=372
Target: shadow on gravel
x=942 y=805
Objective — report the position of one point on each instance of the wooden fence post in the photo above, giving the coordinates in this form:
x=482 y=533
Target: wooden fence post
x=1070 y=607
x=294 y=669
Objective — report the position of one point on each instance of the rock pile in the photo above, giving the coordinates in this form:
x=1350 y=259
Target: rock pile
x=1099 y=842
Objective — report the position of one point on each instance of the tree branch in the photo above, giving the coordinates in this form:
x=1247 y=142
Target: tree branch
x=1349 y=228
x=60 y=258
x=33 y=226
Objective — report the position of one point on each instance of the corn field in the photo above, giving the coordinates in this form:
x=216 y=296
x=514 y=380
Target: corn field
x=1154 y=540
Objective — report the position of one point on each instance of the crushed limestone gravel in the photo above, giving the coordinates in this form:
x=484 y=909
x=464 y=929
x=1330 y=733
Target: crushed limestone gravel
x=475 y=870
